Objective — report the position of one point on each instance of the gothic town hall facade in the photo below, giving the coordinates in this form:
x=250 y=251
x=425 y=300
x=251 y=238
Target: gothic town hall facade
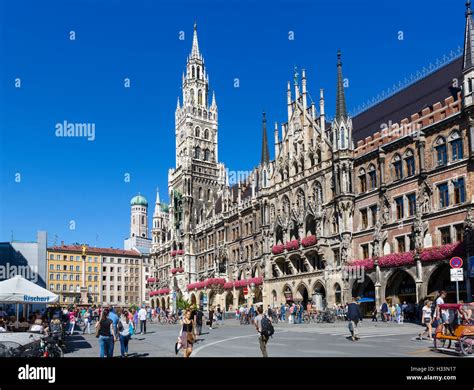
x=348 y=207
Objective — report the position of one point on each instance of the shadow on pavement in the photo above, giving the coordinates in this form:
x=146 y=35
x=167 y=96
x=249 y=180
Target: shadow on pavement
x=75 y=343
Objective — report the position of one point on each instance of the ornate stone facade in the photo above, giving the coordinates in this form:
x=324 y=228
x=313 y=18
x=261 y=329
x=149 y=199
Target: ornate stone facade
x=289 y=230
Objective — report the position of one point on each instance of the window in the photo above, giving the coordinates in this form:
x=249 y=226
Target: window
x=363 y=214
x=78 y=268
x=459 y=229
x=78 y=277
x=51 y=286
x=78 y=258
x=372 y=177
x=397 y=168
x=71 y=268
x=51 y=276
x=445 y=235
x=399 y=206
x=456 y=146
x=89 y=269
x=51 y=267
x=410 y=164
x=64 y=287
x=459 y=191
x=58 y=276
x=362 y=180
x=441 y=152
x=51 y=257
x=71 y=258
x=58 y=267
x=365 y=251
x=197 y=153
x=411 y=204
x=373 y=212
x=443 y=195
x=401 y=244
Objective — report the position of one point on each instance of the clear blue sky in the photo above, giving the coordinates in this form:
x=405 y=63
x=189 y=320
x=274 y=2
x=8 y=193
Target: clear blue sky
x=82 y=81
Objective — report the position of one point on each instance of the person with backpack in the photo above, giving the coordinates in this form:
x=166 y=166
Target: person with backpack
x=354 y=316
x=125 y=330
x=264 y=327
x=384 y=312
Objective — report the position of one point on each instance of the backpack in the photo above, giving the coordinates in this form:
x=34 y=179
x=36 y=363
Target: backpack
x=267 y=327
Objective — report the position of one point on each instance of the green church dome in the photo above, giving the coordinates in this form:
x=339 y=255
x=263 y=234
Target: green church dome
x=139 y=201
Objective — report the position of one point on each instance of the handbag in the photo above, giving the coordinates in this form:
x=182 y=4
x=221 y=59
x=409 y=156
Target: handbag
x=131 y=329
x=97 y=330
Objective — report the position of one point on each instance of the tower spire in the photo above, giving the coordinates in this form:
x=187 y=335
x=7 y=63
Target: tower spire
x=195 y=49
x=265 y=153
x=340 y=100
x=468 y=55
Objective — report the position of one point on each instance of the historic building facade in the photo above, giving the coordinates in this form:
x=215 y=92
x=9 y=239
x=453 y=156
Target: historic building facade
x=373 y=205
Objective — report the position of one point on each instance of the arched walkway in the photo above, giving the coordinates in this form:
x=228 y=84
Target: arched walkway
x=241 y=300
x=440 y=280
x=319 y=296
x=274 y=299
x=288 y=293
x=229 y=301
x=400 y=288
x=366 y=291
x=302 y=295
x=257 y=295
x=163 y=305
x=193 y=300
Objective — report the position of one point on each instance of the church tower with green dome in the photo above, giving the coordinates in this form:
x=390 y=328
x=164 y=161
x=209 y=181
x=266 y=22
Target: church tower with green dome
x=139 y=217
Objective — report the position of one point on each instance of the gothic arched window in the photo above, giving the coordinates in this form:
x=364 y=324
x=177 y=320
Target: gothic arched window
x=372 y=176
x=198 y=72
x=197 y=152
x=206 y=134
x=441 y=151
x=200 y=97
x=362 y=180
x=192 y=72
x=197 y=131
x=206 y=154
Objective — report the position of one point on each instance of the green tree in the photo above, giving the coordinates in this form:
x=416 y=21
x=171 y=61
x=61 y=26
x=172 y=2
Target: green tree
x=182 y=304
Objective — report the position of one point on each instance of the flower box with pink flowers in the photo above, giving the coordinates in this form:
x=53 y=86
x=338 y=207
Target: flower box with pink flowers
x=292 y=245
x=277 y=249
x=174 y=253
x=309 y=241
x=444 y=252
x=174 y=271
x=180 y=252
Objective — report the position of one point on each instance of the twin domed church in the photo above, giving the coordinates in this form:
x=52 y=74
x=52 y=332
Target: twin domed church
x=337 y=193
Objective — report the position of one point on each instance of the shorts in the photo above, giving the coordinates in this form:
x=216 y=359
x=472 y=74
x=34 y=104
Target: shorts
x=444 y=318
x=426 y=321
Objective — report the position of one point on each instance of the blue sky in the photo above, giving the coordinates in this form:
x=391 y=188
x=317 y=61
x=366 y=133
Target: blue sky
x=64 y=180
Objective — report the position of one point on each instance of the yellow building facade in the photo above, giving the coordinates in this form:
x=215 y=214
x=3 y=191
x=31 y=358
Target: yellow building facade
x=70 y=269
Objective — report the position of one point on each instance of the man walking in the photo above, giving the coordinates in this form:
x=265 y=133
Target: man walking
x=142 y=315
x=198 y=320
x=262 y=324
x=354 y=316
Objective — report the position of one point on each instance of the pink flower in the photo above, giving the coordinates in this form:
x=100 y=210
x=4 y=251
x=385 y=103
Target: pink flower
x=174 y=270
x=180 y=252
x=443 y=252
x=180 y=269
x=367 y=264
x=241 y=283
x=228 y=285
x=214 y=282
x=256 y=281
x=396 y=259
x=151 y=280
x=309 y=241
x=277 y=249
x=174 y=253
x=292 y=245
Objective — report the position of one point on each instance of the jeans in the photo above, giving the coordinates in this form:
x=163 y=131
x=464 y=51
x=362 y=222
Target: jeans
x=199 y=329
x=71 y=327
x=87 y=326
x=106 y=346
x=353 y=328
x=124 y=344
x=142 y=326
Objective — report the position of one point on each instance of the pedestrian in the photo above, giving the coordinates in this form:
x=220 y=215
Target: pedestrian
x=106 y=335
x=72 y=322
x=125 y=329
x=87 y=323
x=264 y=327
x=442 y=316
x=300 y=312
x=354 y=316
x=142 y=314
x=398 y=313
x=198 y=320
x=187 y=334
x=384 y=311
x=427 y=319
x=374 y=315
x=211 y=316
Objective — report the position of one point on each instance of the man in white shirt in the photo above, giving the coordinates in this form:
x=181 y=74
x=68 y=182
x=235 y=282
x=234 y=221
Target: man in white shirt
x=142 y=314
x=442 y=315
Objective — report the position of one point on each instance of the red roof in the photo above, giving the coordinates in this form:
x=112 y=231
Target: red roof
x=93 y=250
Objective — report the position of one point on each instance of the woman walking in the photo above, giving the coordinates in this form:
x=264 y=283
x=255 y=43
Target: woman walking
x=125 y=328
x=187 y=335
x=427 y=319
x=105 y=332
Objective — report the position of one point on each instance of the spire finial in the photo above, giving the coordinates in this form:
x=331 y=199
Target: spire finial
x=468 y=8
x=195 y=50
x=341 y=100
x=296 y=74
x=265 y=152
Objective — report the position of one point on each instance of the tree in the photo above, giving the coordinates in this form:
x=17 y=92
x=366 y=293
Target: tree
x=182 y=304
